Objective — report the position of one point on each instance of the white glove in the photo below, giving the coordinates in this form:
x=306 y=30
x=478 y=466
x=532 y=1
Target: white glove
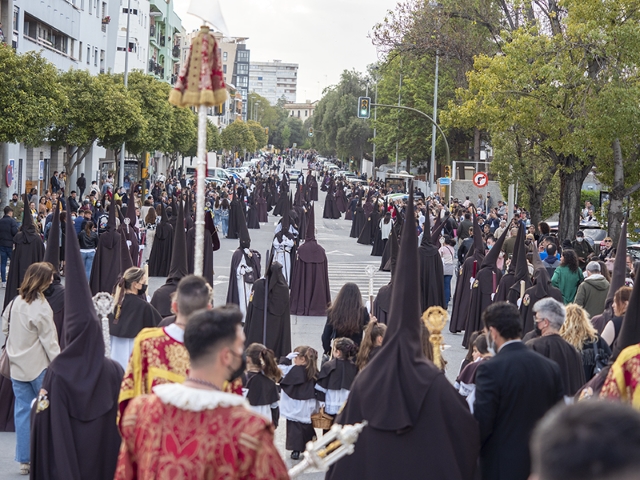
x=519 y=302
x=292 y=355
x=128 y=243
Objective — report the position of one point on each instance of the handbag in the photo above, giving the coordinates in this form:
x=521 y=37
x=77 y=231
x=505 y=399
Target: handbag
x=5 y=365
x=601 y=358
x=322 y=420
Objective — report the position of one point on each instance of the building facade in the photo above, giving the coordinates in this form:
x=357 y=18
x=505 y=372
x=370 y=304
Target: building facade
x=165 y=34
x=139 y=23
x=274 y=80
x=301 y=110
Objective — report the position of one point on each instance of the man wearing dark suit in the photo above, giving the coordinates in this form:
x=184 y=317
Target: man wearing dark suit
x=513 y=391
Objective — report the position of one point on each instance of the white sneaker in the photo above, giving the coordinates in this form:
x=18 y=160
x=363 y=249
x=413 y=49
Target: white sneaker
x=4 y=284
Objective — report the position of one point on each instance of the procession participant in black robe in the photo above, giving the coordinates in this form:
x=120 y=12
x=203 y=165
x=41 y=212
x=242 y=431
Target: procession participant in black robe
x=325 y=182
x=261 y=203
x=541 y=288
x=235 y=211
x=107 y=263
x=466 y=277
x=430 y=271
x=28 y=249
x=252 y=214
x=312 y=186
x=74 y=434
x=160 y=258
x=310 y=293
x=351 y=208
x=506 y=282
x=617 y=280
x=358 y=221
x=282 y=205
x=283 y=247
x=368 y=204
x=420 y=418
x=371 y=227
x=245 y=270
x=521 y=278
x=55 y=293
x=483 y=290
x=380 y=242
x=386 y=254
x=161 y=299
x=550 y=344
x=331 y=210
x=382 y=303
x=129 y=231
x=278 y=313
x=341 y=198
x=125 y=254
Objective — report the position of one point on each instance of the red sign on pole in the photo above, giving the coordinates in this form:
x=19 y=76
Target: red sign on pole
x=481 y=179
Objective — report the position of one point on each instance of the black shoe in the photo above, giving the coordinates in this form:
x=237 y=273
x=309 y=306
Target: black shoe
x=295 y=455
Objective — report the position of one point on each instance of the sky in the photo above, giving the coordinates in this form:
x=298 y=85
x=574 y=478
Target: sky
x=324 y=37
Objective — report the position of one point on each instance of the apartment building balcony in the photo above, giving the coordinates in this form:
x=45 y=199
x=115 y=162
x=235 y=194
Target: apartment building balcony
x=175 y=52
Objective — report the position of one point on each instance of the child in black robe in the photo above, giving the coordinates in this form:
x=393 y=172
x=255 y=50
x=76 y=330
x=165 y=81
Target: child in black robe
x=259 y=384
x=336 y=376
x=298 y=401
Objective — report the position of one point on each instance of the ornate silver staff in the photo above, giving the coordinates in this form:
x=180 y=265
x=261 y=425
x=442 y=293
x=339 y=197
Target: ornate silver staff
x=328 y=449
x=103 y=303
x=370 y=270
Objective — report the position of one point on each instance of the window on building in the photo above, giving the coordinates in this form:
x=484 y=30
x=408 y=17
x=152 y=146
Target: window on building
x=224 y=69
x=95 y=56
x=104 y=9
x=90 y=7
x=88 y=54
x=224 y=56
x=80 y=52
x=16 y=16
x=298 y=113
x=243 y=69
x=306 y=114
x=259 y=78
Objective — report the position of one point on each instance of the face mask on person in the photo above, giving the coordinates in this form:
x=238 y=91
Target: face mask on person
x=143 y=289
x=579 y=239
x=536 y=327
x=240 y=370
x=489 y=247
x=491 y=346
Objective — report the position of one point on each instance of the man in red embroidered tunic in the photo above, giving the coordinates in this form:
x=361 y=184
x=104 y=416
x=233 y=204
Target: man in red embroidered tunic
x=159 y=355
x=194 y=430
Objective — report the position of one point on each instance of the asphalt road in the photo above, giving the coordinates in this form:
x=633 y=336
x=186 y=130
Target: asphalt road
x=347 y=262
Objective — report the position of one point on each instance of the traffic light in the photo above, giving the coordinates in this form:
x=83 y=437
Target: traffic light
x=364 y=107
x=311 y=131
x=447 y=171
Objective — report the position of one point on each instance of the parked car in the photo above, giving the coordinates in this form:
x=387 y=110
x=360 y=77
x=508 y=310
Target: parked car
x=294 y=175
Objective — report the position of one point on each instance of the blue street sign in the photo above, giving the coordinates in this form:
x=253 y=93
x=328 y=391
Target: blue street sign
x=444 y=181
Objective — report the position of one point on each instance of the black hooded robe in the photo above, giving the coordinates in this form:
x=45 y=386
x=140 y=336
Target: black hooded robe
x=431 y=272
x=55 y=293
x=541 y=288
x=160 y=257
x=278 y=314
x=358 y=222
x=331 y=210
x=419 y=426
x=74 y=434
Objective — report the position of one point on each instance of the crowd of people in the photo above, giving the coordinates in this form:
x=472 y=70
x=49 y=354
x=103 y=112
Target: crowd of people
x=175 y=388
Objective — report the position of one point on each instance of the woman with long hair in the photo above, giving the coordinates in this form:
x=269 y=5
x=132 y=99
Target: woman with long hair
x=579 y=332
x=346 y=317
x=88 y=240
x=31 y=345
x=132 y=314
x=620 y=303
x=371 y=342
x=568 y=276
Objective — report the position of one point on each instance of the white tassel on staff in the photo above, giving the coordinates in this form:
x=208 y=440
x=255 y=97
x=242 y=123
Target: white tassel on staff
x=201 y=167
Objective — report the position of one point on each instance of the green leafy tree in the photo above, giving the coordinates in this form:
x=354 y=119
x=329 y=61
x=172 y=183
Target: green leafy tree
x=184 y=133
x=214 y=143
x=30 y=97
x=237 y=137
x=286 y=135
x=258 y=133
x=155 y=131
x=97 y=109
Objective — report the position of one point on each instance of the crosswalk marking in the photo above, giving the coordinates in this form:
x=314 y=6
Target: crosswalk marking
x=341 y=273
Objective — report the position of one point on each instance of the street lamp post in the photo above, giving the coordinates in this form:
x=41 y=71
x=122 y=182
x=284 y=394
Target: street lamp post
x=126 y=82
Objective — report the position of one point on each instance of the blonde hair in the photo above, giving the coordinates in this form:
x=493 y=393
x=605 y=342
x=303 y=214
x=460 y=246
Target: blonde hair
x=577 y=328
x=129 y=277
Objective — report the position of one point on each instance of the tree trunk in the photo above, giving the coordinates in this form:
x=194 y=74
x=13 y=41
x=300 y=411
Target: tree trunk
x=572 y=174
x=615 y=215
x=476 y=145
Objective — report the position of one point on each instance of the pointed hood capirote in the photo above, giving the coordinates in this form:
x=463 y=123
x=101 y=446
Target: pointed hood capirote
x=310 y=234
x=164 y=218
x=619 y=265
x=243 y=232
x=630 y=329
x=28 y=228
x=80 y=366
x=400 y=369
x=426 y=245
x=178 y=268
x=394 y=247
x=492 y=257
x=478 y=243
x=52 y=252
x=521 y=273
